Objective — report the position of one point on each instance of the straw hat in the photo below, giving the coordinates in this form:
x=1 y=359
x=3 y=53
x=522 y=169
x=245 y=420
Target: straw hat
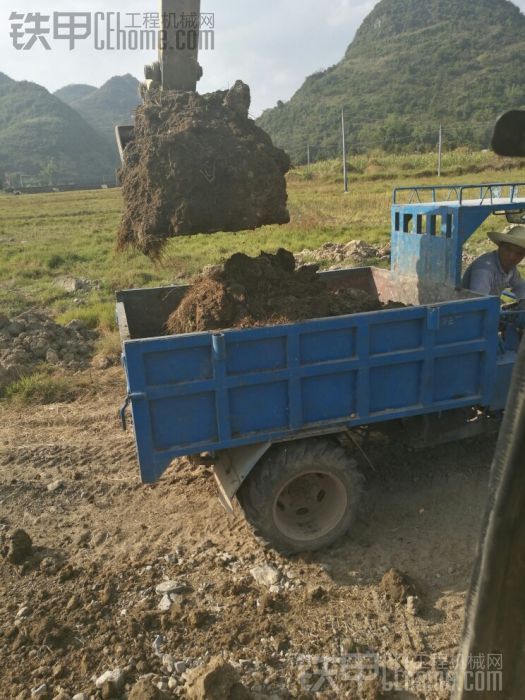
x=515 y=235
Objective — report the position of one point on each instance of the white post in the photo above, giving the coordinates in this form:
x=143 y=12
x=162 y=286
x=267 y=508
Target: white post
x=440 y=154
x=345 y=171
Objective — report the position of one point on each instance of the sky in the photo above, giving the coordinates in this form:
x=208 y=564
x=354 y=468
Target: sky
x=270 y=44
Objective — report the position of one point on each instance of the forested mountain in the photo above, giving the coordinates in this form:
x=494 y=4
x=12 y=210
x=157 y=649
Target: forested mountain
x=42 y=140
x=113 y=103
x=72 y=93
x=412 y=66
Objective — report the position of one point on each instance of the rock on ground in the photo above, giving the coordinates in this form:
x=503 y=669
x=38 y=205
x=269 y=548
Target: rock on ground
x=199 y=164
x=111 y=683
x=145 y=690
x=215 y=681
x=265 y=575
x=20 y=547
x=414 y=605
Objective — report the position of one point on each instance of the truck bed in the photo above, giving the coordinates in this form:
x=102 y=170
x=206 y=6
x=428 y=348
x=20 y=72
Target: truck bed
x=206 y=392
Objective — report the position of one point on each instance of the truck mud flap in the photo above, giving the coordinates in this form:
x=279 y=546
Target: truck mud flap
x=233 y=467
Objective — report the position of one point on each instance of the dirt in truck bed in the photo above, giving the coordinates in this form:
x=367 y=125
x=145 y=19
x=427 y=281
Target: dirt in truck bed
x=129 y=589
x=267 y=289
x=199 y=164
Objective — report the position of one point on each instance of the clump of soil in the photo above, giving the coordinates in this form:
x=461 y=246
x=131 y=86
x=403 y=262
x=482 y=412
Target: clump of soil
x=216 y=681
x=19 y=548
x=145 y=690
x=198 y=164
x=266 y=289
x=396 y=586
x=48 y=631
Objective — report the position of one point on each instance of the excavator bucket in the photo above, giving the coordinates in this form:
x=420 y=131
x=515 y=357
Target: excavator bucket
x=124 y=136
x=198 y=164
x=195 y=163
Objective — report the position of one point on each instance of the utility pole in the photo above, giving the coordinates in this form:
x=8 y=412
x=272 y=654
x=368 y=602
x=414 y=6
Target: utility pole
x=440 y=150
x=308 y=157
x=345 y=170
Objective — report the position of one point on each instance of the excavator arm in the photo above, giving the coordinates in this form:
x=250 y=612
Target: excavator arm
x=177 y=67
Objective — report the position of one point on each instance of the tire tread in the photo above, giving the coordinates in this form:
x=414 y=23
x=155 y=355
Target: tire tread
x=281 y=464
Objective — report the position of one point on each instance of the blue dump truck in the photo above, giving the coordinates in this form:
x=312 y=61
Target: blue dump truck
x=273 y=408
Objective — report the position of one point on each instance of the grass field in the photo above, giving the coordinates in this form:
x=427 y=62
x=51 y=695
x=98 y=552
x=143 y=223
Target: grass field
x=46 y=237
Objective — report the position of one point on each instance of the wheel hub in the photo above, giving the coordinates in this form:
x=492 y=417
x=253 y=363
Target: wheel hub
x=310 y=506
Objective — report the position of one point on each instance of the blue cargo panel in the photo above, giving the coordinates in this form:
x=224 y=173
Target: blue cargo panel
x=211 y=391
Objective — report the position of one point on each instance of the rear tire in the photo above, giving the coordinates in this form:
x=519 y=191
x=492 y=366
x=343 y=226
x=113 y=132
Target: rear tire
x=303 y=495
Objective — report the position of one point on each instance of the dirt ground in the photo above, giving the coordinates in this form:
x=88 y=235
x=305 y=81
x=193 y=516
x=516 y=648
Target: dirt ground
x=86 y=601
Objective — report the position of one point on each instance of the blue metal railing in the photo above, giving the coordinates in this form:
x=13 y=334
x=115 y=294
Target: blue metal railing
x=487 y=193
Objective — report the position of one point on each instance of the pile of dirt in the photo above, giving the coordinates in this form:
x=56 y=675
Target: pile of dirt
x=267 y=289
x=198 y=164
x=33 y=338
x=355 y=251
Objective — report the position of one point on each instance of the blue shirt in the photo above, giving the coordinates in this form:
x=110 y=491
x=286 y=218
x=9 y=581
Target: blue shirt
x=486 y=276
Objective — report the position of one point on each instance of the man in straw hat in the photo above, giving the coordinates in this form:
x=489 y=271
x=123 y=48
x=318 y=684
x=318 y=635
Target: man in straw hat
x=495 y=272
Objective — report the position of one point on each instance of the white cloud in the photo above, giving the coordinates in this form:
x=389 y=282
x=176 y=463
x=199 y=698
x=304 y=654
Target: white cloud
x=347 y=11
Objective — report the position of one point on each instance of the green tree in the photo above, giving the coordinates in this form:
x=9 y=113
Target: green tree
x=49 y=172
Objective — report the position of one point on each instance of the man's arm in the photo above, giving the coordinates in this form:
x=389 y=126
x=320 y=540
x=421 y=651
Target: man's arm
x=518 y=285
x=481 y=281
